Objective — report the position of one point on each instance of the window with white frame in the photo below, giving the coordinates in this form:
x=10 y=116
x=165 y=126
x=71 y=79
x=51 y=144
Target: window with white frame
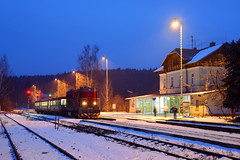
x=171 y=82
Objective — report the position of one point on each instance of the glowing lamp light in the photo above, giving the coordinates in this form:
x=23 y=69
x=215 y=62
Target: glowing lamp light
x=84 y=103
x=175 y=23
x=94 y=103
x=50 y=95
x=103 y=58
x=28 y=92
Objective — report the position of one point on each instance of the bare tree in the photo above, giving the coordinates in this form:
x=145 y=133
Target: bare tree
x=4 y=77
x=88 y=63
x=4 y=84
x=106 y=102
x=215 y=73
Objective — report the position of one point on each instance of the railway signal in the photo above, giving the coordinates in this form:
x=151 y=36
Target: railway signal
x=37 y=95
x=28 y=92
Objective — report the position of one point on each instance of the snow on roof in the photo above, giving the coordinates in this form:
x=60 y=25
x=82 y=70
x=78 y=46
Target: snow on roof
x=144 y=96
x=159 y=69
x=173 y=94
x=187 y=54
x=203 y=53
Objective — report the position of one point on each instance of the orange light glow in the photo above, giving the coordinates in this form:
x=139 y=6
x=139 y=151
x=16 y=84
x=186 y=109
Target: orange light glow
x=175 y=23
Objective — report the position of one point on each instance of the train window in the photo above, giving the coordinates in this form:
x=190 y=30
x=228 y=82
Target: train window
x=63 y=102
x=37 y=104
x=44 y=103
x=54 y=103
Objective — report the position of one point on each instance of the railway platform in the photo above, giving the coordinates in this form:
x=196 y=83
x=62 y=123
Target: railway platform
x=161 y=117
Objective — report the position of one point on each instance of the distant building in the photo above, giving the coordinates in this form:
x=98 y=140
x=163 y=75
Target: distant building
x=202 y=71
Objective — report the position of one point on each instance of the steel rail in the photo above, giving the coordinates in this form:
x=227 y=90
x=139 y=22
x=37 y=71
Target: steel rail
x=17 y=155
x=102 y=132
x=44 y=139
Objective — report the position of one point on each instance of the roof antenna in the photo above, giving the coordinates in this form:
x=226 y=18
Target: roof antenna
x=192 y=40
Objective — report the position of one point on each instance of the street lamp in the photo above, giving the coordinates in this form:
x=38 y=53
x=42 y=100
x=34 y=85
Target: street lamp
x=103 y=58
x=75 y=73
x=178 y=22
x=57 y=86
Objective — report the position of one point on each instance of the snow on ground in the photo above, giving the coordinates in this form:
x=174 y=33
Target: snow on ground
x=86 y=146
x=150 y=117
x=181 y=141
x=5 y=150
x=178 y=129
x=36 y=146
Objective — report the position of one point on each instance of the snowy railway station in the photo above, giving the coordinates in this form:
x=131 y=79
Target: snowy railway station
x=119 y=80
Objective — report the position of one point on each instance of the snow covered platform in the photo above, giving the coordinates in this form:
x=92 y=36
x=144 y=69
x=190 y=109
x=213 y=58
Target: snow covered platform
x=149 y=117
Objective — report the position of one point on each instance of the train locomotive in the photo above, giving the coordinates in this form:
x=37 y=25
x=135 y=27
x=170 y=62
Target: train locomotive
x=82 y=103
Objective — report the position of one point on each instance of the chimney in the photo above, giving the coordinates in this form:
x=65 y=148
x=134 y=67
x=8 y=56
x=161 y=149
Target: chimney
x=212 y=44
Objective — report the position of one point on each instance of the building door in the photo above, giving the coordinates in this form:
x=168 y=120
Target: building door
x=148 y=109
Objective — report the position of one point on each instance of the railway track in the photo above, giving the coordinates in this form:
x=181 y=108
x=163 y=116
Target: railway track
x=204 y=125
x=47 y=149
x=150 y=143
x=217 y=138
x=14 y=153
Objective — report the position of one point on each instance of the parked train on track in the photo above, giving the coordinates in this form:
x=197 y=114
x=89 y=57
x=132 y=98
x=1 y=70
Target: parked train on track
x=82 y=103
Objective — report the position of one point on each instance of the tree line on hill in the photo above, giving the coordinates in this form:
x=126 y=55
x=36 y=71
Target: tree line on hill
x=124 y=83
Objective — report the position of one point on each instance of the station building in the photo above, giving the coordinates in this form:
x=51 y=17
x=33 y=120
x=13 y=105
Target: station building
x=202 y=73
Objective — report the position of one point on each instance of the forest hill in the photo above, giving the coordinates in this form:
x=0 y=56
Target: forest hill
x=123 y=83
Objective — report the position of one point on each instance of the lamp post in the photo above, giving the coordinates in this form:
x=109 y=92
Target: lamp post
x=178 y=22
x=103 y=58
x=57 y=86
x=75 y=73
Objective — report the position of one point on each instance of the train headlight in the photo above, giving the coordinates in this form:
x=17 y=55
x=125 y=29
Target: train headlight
x=84 y=103
x=94 y=103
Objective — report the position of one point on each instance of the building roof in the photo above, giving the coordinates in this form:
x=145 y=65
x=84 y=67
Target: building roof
x=187 y=54
x=159 y=69
x=144 y=96
x=204 y=53
x=173 y=94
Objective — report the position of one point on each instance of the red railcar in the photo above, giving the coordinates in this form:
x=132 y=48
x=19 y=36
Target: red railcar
x=82 y=103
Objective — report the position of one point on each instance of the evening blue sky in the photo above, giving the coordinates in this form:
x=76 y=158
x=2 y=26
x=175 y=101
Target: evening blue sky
x=43 y=37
